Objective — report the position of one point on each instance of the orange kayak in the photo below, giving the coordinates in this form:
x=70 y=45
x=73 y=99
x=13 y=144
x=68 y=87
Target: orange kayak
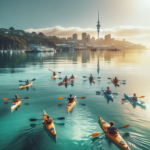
x=54 y=77
x=114 y=82
x=115 y=138
x=26 y=85
x=50 y=127
x=71 y=105
x=16 y=104
x=67 y=81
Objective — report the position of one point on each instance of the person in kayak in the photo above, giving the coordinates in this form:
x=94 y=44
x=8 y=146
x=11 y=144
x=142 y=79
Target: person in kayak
x=70 y=99
x=115 y=80
x=91 y=77
x=16 y=99
x=54 y=73
x=65 y=79
x=134 y=98
x=72 y=77
x=49 y=120
x=112 y=130
x=108 y=90
x=27 y=82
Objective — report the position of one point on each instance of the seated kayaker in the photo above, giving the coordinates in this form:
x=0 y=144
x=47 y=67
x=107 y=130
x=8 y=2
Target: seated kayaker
x=54 y=73
x=27 y=82
x=91 y=77
x=72 y=77
x=134 y=98
x=112 y=130
x=70 y=99
x=65 y=79
x=16 y=99
x=49 y=120
x=108 y=90
x=115 y=80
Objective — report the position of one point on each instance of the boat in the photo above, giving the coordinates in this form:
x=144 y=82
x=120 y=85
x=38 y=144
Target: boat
x=115 y=138
x=26 y=85
x=1 y=51
x=108 y=95
x=54 y=77
x=114 y=82
x=71 y=105
x=16 y=104
x=50 y=127
x=67 y=81
x=5 y=51
x=135 y=102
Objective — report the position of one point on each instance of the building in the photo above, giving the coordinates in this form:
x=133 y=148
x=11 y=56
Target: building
x=69 y=38
x=98 y=26
x=84 y=36
x=107 y=38
x=75 y=37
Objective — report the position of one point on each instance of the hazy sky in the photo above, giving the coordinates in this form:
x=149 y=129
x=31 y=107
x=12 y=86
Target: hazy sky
x=127 y=19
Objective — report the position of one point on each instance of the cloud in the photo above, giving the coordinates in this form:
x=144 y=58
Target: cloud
x=117 y=32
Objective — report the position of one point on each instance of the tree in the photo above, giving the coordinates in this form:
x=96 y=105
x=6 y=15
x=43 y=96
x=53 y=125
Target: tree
x=33 y=32
x=41 y=33
x=11 y=28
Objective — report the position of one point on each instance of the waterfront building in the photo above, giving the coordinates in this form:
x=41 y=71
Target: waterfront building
x=98 y=26
x=75 y=37
x=107 y=38
x=84 y=36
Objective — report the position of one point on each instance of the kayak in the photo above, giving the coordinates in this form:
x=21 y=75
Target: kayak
x=16 y=104
x=71 y=105
x=54 y=77
x=26 y=85
x=108 y=95
x=67 y=81
x=114 y=82
x=50 y=127
x=115 y=138
x=135 y=102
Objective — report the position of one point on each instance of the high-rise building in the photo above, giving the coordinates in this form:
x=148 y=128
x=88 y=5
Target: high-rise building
x=98 y=25
x=75 y=37
x=84 y=36
x=107 y=38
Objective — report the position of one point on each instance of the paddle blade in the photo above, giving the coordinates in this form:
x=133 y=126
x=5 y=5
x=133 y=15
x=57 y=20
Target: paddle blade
x=33 y=79
x=108 y=78
x=26 y=97
x=33 y=119
x=20 y=81
x=49 y=69
x=60 y=97
x=141 y=96
x=6 y=103
x=95 y=134
x=5 y=99
x=126 y=126
x=124 y=99
x=82 y=97
x=84 y=77
x=59 y=72
x=61 y=118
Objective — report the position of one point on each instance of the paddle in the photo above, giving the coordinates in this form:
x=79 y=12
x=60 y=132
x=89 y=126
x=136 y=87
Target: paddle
x=131 y=99
x=118 y=80
x=65 y=104
x=5 y=99
x=88 y=77
x=25 y=81
x=22 y=103
x=53 y=71
x=97 y=134
x=112 y=93
x=65 y=97
x=61 y=118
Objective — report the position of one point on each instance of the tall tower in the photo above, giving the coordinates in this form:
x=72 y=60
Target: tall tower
x=98 y=25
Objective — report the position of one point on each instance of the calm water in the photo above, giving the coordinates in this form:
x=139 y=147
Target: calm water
x=18 y=133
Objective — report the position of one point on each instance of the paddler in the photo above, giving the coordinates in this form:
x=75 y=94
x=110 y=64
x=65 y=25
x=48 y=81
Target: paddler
x=112 y=130
x=72 y=77
x=65 y=79
x=54 y=73
x=91 y=77
x=49 y=120
x=115 y=80
x=108 y=90
x=70 y=99
x=16 y=99
x=134 y=98
x=27 y=82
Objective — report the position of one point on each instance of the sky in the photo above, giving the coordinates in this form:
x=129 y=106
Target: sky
x=127 y=19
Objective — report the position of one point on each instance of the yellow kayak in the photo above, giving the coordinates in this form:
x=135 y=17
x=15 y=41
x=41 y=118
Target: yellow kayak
x=54 y=77
x=71 y=105
x=26 y=85
x=50 y=127
x=16 y=104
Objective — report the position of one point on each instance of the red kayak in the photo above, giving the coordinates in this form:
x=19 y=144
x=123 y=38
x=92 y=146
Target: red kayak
x=67 y=81
x=114 y=82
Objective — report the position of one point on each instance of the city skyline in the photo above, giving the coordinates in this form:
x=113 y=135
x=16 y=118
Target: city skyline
x=125 y=19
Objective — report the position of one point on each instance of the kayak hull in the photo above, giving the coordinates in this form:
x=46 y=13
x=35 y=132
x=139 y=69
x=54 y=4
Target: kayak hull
x=24 y=86
x=50 y=127
x=54 y=77
x=16 y=104
x=67 y=81
x=115 y=138
x=114 y=82
x=107 y=95
x=71 y=105
x=135 y=102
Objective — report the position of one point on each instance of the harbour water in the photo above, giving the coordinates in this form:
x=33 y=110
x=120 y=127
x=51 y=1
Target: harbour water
x=74 y=133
